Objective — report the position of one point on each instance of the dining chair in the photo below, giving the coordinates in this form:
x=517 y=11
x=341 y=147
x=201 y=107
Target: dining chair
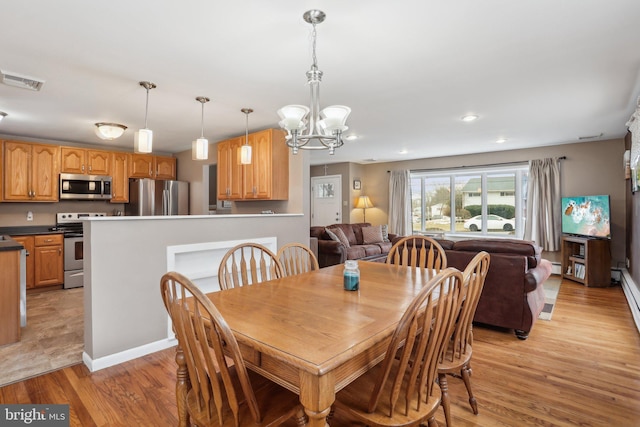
x=418 y=251
x=401 y=390
x=246 y=264
x=297 y=258
x=457 y=356
x=223 y=392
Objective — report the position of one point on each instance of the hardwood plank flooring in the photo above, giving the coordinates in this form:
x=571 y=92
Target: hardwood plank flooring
x=581 y=368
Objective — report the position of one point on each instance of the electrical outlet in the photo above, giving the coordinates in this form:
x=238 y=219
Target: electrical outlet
x=29 y=216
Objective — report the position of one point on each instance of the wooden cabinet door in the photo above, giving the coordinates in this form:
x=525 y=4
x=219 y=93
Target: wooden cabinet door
x=17 y=162
x=141 y=166
x=165 y=168
x=223 y=169
x=257 y=178
x=230 y=171
x=72 y=160
x=120 y=178
x=99 y=162
x=49 y=259
x=44 y=172
x=27 y=242
x=49 y=265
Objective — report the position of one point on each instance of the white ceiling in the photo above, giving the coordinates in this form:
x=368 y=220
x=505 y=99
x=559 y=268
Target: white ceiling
x=537 y=72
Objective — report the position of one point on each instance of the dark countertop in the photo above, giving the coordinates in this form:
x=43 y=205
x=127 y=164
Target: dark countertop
x=8 y=244
x=28 y=230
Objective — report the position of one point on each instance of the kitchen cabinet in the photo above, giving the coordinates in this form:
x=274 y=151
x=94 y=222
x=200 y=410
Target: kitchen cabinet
x=120 y=177
x=266 y=178
x=45 y=259
x=154 y=167
x=31 y=172
x=85 y=161
x=9 y=296
x=230 y=171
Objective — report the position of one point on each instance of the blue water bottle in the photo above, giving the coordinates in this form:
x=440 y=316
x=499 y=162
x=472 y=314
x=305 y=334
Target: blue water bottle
x=351 y=276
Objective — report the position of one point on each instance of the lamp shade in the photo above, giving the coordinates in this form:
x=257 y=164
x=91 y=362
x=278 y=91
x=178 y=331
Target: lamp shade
x=200 y=149
x=364 y=203
x=143 y=141
x=109 y=131
x=245 y=155
x=293 y=116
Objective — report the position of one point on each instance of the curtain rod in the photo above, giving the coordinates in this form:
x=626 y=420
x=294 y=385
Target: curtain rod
x=476 y=166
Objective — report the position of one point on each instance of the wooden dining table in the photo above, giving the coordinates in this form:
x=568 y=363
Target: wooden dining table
x=308 y=334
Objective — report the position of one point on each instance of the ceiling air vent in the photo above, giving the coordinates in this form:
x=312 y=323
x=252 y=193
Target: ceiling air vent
x=25 y=82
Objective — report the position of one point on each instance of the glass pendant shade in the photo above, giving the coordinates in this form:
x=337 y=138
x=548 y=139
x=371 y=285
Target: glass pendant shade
x=200 y=149
x=143 y=141
x=334 y=118
x=245 y=154
x=293 y=117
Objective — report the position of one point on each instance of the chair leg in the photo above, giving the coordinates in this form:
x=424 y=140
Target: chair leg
x=301 y=418
x=466 y=377
x=444 y=388
x=433 y=422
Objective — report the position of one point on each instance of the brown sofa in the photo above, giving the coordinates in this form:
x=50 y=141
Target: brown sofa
x=513 y=293
x=331 y=252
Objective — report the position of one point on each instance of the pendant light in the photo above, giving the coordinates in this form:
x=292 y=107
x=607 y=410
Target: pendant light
x=200 y=147
x=245 y=150
x=143 y=138
x=309 y=128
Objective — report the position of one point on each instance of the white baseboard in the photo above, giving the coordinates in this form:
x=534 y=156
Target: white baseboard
x=124 y=356
x=632 y=292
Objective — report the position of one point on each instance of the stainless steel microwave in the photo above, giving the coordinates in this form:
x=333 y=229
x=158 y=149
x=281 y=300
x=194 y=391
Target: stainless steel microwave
x=84 y=187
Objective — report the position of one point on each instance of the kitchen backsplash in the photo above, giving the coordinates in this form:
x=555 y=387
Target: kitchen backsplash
x=15 y=214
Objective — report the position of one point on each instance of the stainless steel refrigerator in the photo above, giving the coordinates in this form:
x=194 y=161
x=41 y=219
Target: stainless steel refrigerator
x=148 y=197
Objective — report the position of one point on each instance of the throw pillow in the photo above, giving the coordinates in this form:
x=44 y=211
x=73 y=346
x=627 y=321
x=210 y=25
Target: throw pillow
x=371 y=234
x=338 y=235
x=385 y=232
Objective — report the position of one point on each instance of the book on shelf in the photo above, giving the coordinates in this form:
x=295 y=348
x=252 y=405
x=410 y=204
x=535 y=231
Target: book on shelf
x=580 y=271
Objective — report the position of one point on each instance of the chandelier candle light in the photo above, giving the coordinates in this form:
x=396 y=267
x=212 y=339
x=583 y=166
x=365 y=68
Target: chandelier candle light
x=245 y=150
x=321 y=133
x=200 y=147
x=143 y=138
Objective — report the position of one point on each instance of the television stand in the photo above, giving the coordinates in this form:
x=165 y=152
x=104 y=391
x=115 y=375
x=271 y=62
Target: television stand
x=586 y=260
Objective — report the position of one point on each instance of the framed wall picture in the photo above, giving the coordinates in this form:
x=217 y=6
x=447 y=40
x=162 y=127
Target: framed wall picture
x=357 y=185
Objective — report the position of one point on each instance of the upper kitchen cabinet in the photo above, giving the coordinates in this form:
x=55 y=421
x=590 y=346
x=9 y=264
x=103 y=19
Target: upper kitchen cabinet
x=120 y=177
x=266 y=178
x=85 y=161
x=31 y=172
x=154 y=167
x=229 y=169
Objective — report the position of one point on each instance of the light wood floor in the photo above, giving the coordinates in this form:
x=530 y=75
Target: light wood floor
x=581 y=368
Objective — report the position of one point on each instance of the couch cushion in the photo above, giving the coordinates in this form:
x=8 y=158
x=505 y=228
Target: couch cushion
x=371 y=234
x=338 y=235
x=385 y=232
x=348 y=230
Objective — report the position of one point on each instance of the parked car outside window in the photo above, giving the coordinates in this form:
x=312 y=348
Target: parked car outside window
x=494 y=222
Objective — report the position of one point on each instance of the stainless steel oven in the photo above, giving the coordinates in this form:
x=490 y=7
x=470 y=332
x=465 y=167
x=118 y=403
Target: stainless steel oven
x=71 y=225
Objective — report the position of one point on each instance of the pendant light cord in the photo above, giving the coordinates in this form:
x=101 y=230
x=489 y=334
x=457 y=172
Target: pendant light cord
x=314 y=35
x=202 y=122
x=146 y=109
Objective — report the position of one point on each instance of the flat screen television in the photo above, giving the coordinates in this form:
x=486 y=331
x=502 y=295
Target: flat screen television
x=587 y=216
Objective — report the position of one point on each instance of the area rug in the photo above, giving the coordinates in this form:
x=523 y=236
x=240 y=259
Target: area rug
x=53 y=338
x=551 y=289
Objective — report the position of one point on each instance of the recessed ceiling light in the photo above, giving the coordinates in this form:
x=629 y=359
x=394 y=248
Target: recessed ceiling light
x=469 y=118
x=501 y=140
x=403 y=151
x=351 y=137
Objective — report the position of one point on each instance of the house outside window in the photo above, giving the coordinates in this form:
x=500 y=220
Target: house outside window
x=482 y=201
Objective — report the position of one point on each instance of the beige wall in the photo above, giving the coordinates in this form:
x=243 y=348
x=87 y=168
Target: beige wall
x=590 y=168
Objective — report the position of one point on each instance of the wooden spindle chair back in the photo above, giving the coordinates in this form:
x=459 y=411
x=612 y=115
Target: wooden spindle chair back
x=418 y=251
x=297 y=258
x=246 y=264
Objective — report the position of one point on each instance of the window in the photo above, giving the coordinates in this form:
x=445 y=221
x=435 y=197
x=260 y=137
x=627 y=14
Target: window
x=482 y=201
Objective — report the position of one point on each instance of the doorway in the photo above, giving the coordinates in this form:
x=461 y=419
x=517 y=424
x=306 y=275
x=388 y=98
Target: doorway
x=326 y=200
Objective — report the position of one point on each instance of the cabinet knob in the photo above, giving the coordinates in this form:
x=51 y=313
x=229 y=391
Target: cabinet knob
x=82 y=168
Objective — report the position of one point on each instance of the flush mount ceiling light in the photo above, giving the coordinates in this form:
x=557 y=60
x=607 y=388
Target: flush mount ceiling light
x=469 y=118
x=321 y=134
x=143 y=138
x=351 y=137
x=245 y=150
x=2 y=115
x=501 y=140
x=200 y=147
x=110 y=131
x=18 y=80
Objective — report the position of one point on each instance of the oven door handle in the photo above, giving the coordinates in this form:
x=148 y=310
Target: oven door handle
x=77 y=274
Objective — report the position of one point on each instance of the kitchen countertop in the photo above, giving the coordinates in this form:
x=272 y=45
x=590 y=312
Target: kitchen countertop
x=8 y=244
x=28 y=230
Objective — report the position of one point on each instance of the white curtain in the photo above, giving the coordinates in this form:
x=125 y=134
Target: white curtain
x=400 y=203
x=543 y=224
